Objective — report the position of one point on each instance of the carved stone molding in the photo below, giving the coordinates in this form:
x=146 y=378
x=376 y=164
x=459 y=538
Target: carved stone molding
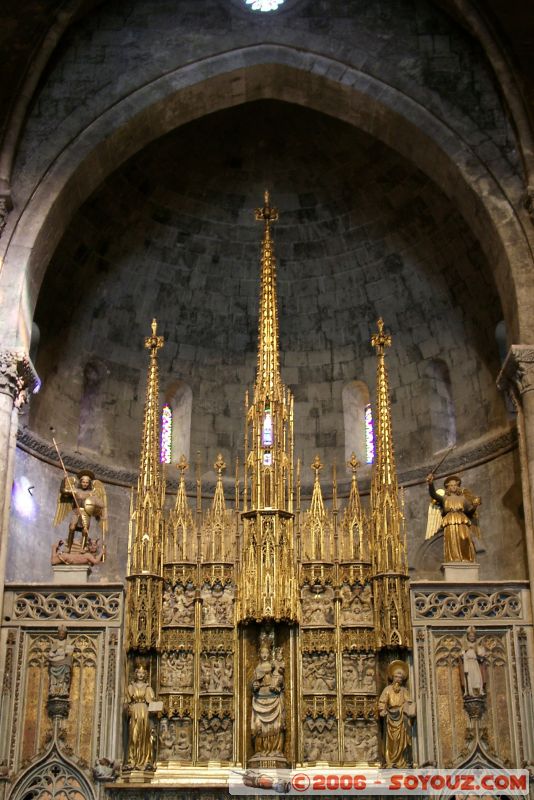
x=503 y=604
x=18 y=377
x=98 y=606
x=517 y=373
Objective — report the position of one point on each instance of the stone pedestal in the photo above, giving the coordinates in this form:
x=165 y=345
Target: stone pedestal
x=461 y=571
x=67 y=574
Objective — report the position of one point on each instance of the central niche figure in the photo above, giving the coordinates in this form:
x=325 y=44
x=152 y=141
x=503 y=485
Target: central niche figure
x=268 y=721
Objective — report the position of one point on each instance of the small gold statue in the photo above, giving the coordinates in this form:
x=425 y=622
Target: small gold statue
x=139 y=695
x=84 y=497
x=454 y=510
x=398 y=710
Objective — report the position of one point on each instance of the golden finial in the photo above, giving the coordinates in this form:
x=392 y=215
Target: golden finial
x=219 y=464
x=154 y=342
x=182 y=465
x=354 y=464
x=380 y=340
x=266 y=214
x=317 y=466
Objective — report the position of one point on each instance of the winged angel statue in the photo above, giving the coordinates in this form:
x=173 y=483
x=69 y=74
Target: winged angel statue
x=83 y=497
x=454 y=510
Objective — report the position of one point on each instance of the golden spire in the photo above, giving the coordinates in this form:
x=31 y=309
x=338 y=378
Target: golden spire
x=146 y=523
x=150 y=464
x=355 y=544
x=180 y=530
x=316 y=522
x=268 y=382
x=384 y=464
x=389 y=560
x=217 y=530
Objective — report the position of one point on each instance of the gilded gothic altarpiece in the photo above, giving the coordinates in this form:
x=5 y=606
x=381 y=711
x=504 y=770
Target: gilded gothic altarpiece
x=260 y=631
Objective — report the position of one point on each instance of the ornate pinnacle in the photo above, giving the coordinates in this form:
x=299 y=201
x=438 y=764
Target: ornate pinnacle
x=266 y=214
x=154 y=342
x=182 y=465
x=380 y=340
x=316 y=466
x=353 y=464
x=219 y=464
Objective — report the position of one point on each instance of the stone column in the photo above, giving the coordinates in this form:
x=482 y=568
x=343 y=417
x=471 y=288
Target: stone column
x=18 y=380
x=516 y=379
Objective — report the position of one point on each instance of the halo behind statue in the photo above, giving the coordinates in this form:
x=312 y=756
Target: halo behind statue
x=395 y=665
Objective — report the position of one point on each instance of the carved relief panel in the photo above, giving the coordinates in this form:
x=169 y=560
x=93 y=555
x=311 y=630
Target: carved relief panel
x=356 y=604
x=215 y=738
x=359 y=673
x=317 y=605
x=319 y=673
x=175 y=739
x=320 y=738
x=176 y=671
x=217 y=604
x=178 y=606
x=361 y=741
x=217 y=673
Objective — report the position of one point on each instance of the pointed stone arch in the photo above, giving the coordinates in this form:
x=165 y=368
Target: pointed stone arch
x=52 y=777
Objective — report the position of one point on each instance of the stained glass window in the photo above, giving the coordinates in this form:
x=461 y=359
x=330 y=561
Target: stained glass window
x=264 y=5
x=166 y=434
x=369 y=435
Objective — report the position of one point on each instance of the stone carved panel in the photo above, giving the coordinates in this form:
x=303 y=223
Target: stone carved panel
x=503 y=604
x=359 y=673
x=67 y=606
x=216 y=673
x=319 y=673
x=53 y=780
x=317 y=605
x=176 y=671
x=175 y=739
x=356 y=604
x=215 y=738
x=320 y=738
x=217 y=604
x=361 y=741
x=178 y=607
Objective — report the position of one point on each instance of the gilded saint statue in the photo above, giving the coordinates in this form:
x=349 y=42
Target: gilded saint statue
x=473 y=666
x=84 y=497
x=60 y=665
x=454 y=510
x=398 y=711
x=139 y=695
x=268 y=720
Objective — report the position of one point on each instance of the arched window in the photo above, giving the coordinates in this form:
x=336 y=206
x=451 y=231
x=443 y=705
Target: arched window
x=358 y=422
x=166 y=434
x=264 y=5
x=176 y=422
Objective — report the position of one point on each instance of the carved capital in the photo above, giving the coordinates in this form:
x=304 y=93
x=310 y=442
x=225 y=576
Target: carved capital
x=528 y=202
x=517 y=374
x=18 y=377
x=5 y=207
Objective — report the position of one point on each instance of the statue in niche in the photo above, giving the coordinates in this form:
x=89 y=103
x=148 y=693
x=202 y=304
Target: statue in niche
x=473 y=666
x=318 y=605
x=454 y=510
x=356 y=604
x=138 y=696
x=177 y=671
x=85 y=498
x=361 y=742
x=217 y=604
x=320 y=739
x=359 y=671
x=215 y=739
x=216 y=673
x=398 y=711
x=178 y=606
x=60 y=665
x=319 y=672
x=268 y=720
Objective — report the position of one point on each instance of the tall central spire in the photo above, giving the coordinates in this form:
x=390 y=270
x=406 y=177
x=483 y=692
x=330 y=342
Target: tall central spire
x=384 y=471
x=268 y=575
x=268 y=381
